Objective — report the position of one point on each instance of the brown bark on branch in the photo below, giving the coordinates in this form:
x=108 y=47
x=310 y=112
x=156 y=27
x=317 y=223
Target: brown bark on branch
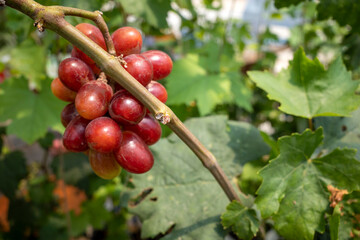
x=52 y=17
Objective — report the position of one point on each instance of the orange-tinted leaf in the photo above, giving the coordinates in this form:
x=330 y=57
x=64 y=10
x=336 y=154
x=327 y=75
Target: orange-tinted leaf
x=70 y=197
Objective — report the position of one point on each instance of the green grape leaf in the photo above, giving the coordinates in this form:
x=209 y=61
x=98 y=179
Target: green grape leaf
x=241 y=95
x=341 y=132
x=242 y=220
x=294 y=189
x=154 y=12
x=21 y=58
x=307 y=90
x=209 y=57
x=183 y=193
x=287 y=3
x=190 y=82
x=12 y=170
x=31 y=113
x=345 y=12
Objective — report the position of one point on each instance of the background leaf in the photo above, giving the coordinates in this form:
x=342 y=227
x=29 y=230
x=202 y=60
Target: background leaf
x=345 y=12
x=189 y=82
x=29 y=60
x=12 y=170
x=242 y=220
x=182 y=187
x=294 y=184
x=76 y=167
x=341 y=132
x=153 y=11
x=307 y=90
x=32 y=113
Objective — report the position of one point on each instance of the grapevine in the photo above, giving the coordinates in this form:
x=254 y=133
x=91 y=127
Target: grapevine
x=52 y=17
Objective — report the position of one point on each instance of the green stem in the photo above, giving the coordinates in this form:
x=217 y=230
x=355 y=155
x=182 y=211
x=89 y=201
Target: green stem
x=53 y=18
x=311 y=126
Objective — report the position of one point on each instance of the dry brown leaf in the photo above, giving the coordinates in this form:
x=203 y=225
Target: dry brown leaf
x=336 y=195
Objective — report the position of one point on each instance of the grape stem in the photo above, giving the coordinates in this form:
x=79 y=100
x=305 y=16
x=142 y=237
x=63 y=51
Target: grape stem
x=52 y=17
x=311 y=126
x=97 y=18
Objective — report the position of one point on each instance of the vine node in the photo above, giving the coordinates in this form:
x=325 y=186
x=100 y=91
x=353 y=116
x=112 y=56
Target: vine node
x=97 y=18
x=39 y=24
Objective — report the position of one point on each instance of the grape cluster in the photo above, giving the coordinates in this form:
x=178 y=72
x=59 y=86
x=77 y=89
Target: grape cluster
x=106 y=122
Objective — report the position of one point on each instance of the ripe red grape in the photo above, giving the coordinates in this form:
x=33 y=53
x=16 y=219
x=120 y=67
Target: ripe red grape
x=95 y=35
x=74 y=135
x=127 y=40
x=161 y=62
x=80 y=55
x=61 y=91
x=103 y=134
x=93 y=98
x=139 y=67
x=74 y=73
x=158 y=91
x=148 y=129
x=68 y=113
x=89 y=128
x=104 y=164
x=133 y=154
x=125 y=108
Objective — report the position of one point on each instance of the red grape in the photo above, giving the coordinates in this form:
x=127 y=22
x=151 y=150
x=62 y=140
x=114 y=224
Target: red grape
x=96 y=36
x=103 y=134
x=158 y=91
x=139 y=67
x=104 y=164
x=133 y=154
x=148 y=129
x=61 y=91
x=80 y=55
x=162 y=63
x=127 y=40
x=74 y=135
x=74 y=73
x=125 y=108
x=93 y=99
x=68 y=113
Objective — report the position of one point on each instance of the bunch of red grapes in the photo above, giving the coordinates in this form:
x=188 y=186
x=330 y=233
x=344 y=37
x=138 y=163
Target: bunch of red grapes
x=104 y=120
